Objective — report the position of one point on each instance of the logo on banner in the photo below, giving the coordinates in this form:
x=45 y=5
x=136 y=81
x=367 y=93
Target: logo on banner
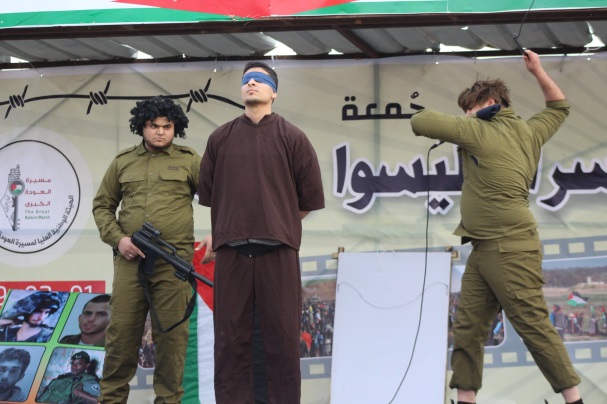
x=41 y=198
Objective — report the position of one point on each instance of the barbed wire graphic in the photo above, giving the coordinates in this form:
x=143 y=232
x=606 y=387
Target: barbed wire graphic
x=101 y=98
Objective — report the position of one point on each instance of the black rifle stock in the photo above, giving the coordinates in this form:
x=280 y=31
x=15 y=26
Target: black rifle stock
x=147 y=239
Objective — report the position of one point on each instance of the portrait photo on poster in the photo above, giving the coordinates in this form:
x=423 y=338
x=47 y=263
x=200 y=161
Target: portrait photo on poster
x=18 y=367
x=72 y=373
x=31 y=316
x=88 y=320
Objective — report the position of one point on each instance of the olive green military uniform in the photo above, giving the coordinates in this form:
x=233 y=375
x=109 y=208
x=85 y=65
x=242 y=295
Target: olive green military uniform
x=158 y=188
x=60 y=389
x=75 y=340
x=500 y=158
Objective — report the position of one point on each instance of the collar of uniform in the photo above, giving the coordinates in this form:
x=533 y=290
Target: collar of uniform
x=505 y=112
x=169 y=150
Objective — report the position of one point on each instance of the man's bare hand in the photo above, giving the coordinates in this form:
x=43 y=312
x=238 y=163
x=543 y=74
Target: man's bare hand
x=551 y=90
x=532 y=62
x=209 y=255
x=129 y=250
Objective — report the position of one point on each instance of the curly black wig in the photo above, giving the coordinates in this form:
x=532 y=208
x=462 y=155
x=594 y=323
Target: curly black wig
x=159 y=106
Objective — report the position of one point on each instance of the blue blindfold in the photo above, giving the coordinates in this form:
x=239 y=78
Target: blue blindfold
x=260 y=78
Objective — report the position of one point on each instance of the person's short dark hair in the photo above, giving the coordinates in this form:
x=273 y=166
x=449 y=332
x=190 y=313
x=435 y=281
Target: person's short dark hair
x=265 y=67
x=81 y=355
x=481 y=91
x=19 y=355
x=105 y=298
x=154 y=107
x=36 y=301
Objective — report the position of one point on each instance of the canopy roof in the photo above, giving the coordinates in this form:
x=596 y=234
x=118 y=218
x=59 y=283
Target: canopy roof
x=320 y=36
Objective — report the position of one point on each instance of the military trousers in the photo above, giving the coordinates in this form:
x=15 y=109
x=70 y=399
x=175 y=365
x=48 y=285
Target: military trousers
x=271 y=285
x=506 y=273
x=129 y=309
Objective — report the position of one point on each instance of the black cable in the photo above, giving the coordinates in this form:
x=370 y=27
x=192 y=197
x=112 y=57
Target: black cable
x=516 y=36
x=421 y=304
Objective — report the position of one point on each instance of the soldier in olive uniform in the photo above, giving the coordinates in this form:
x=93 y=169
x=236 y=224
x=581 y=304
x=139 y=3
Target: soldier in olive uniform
x=154 y=182
x=500 y=153
x=76 y=387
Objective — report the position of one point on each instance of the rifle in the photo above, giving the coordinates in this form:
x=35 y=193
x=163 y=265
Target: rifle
x=148 y=240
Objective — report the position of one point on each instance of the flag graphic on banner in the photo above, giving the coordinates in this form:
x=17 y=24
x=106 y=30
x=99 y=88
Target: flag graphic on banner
x=243 y=9
x=199 y=373
x=576 y=300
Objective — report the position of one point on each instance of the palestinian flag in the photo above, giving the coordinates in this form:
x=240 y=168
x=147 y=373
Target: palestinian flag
x=576 y=300
x=199 y=374
x=242 y=9
x=38 y=13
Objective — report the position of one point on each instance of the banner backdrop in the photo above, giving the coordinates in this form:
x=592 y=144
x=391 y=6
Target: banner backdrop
x=61 y=127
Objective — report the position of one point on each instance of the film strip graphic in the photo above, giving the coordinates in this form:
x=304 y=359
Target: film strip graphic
x=510 y=353
x=143 y=380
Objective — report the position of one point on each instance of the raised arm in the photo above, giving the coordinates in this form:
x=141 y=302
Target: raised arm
x=551 y=91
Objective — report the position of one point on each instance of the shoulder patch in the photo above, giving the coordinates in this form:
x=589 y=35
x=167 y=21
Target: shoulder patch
x=125 y=151
x=184 y=149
